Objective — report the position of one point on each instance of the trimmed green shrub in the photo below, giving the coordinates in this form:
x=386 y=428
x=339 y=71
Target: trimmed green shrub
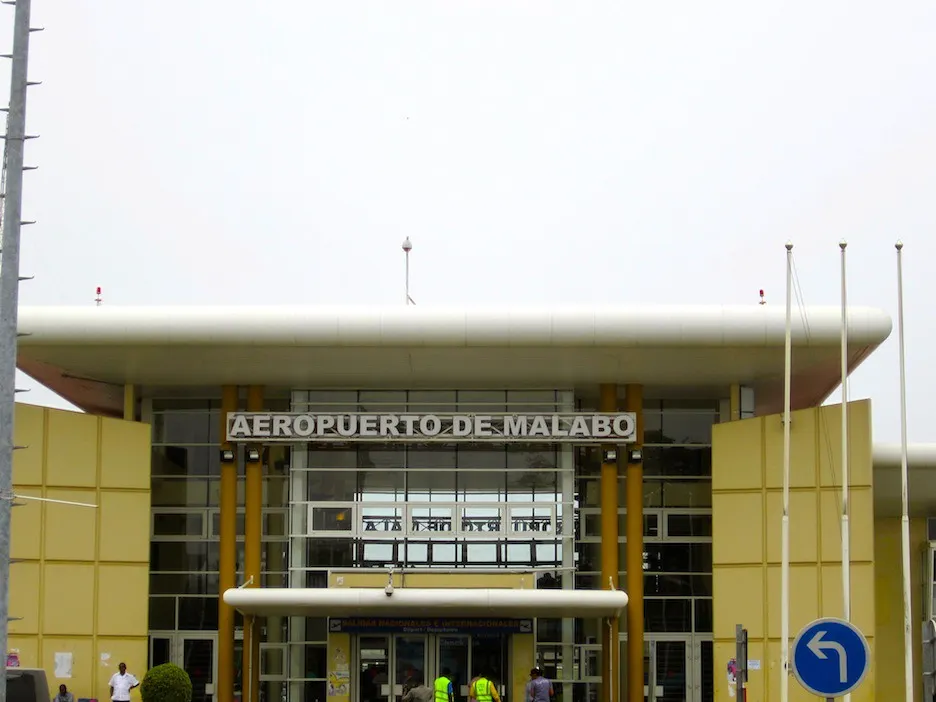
x=166 y=683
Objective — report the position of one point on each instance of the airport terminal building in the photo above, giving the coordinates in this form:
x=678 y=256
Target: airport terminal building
x=327 y=504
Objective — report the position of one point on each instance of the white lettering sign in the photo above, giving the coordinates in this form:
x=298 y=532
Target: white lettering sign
x=571 y=427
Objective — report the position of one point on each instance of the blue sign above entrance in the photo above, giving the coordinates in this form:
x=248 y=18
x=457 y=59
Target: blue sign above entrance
x=368 y=625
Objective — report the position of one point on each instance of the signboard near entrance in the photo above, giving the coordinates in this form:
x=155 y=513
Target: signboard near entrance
x=368 y=625
x=567 y=427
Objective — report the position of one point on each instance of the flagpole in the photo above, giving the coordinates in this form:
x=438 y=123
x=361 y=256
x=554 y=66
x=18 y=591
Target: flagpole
x=904 y=491
x=785 y=522
x=846 y=540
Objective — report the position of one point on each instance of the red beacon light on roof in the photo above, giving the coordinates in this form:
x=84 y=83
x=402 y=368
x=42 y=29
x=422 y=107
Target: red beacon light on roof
x=97 y=299
x=762 y=300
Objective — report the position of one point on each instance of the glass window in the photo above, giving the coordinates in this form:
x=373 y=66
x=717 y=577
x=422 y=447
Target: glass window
x=482 y=401
x=332 y=485
x=183 y=583
x=187 y=427
x=381 y=520
x=703 y=615
x=481 y=553
x=315 y=662
x=179 y=524
x=532 y=486
x=382 y=401
x=162 y=613
x=670 y=557
x=186 y=460
x=588 y=461
x=198 y=613
x=677 y=585
x=316 y=629
x=677 y=461
x=433 y=401
x=430 y=486
x=379 y=553
x=431 y=459
x=531 y=459
x=531 y=401
x=331 y=459
x=492 y=457
x=676 y=493
x=548 y=630
x=689 y=525
x=651 y=527
x=417 y=552
x=668 y=615
x=381 y=486
x=181 y=556
x=519 y=553
x=442 y=553
x=332 y=519
x=329 y=553
x=547 y=553
x=381 y=458
x=326 y=401
x=432 y=519
x=481 y=486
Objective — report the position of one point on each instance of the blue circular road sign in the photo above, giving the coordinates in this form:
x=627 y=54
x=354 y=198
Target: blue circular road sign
x=830 y=657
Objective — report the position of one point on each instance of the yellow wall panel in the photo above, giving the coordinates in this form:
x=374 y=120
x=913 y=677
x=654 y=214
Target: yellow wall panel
x=729 y=544
x=803 y=446
x=27 y=648
x=81 y=682
x=26 y=526
x=121 y=610
x=125 y=526
x=29 y=431
x=71 y=458
x=860 y=465
x=133 y=651
x=523 y=657
x=738 y=599
x=56 y=592
x=888 y=586
x=815 y=542
x=70 y=532
x=804 y=581
x=804 y=526
x=64 y=586
x=741 y=457
x=24 y=597
x=125 y=454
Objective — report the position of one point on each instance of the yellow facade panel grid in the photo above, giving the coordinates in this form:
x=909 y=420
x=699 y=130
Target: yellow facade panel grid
x=125 y=455
x=71 y=449
x=69 y=531
x=29 y=430
x=125 y=526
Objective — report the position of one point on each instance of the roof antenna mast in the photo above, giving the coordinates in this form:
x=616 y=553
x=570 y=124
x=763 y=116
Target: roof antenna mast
x=97 y=296
x=407 y=247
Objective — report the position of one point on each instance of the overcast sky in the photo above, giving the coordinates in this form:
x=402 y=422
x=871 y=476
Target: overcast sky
x=231 y=152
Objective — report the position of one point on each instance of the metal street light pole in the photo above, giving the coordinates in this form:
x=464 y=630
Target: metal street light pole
x=9 y=300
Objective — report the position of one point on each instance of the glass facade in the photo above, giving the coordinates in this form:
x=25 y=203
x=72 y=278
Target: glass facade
x=451 y=507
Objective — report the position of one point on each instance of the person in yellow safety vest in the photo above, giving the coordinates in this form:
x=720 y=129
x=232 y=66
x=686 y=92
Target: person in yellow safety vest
x=444 y=690
x=483 y=690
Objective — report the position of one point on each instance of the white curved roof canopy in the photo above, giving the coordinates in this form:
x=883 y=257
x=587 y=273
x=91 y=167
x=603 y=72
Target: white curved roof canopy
x=87 y=354
x=426 y=602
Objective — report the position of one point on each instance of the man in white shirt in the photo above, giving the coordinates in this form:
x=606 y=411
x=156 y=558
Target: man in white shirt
x=121 y=683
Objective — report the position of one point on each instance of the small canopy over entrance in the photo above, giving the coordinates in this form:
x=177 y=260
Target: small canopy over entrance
x=427 y=602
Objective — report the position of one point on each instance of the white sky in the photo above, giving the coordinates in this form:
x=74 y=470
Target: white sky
x=235 y=152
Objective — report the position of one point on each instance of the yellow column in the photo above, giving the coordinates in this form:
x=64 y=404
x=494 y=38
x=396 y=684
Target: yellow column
x=609 y=553
x=228 y=553
x=734 y=403
x=253 y=519
x=129 y=403
x=634 y=554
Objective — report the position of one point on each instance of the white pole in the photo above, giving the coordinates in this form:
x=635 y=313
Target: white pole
x=407 y=247
x=904 y=492
x=846 y=545
x=785 y=523
x=846 y=554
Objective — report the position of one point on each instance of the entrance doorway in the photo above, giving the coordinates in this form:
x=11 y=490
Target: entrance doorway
x=194 y=653
x=388 y=665
x=677 y=668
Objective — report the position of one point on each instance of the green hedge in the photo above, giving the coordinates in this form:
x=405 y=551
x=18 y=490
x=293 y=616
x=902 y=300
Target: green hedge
x=166 y=683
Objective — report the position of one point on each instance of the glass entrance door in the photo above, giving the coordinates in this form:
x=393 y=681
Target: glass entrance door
x=410 y=665
x=667 y=673
x=194 y=653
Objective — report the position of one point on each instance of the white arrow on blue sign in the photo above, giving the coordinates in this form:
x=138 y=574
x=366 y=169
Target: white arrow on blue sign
x=830 y=657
